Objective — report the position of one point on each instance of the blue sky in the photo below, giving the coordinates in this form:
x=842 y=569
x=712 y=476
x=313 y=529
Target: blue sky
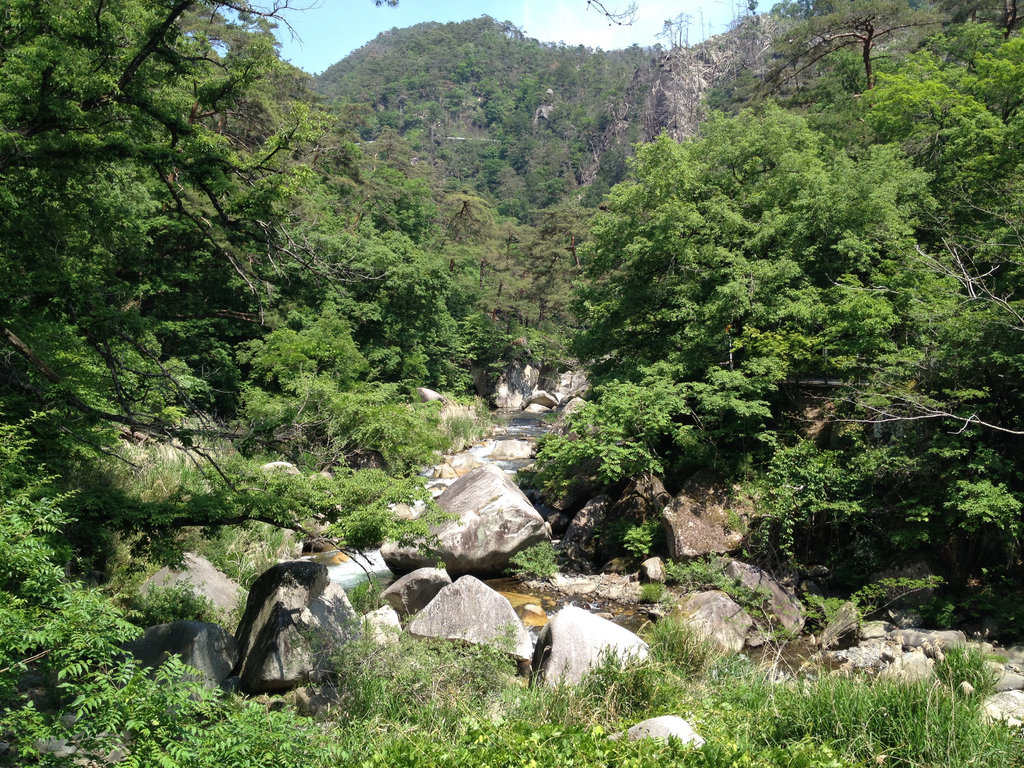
x=331 y=29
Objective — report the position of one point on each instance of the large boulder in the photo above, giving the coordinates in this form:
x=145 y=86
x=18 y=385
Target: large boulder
x=701 y=520
x=574 y=641
x=494 y=521
x=294 y=617
x=561 y=425
x=203 y=578
x=540 y=397
x=719 y=619
x=1007 y=707
x=783 y=608
x=211 y=649
x=571 y=384
x=470 y=611
x=515 y=386
x=642 y=499
x=411 y=593
x=579 y=543
x=510 y=450
x=428 y=395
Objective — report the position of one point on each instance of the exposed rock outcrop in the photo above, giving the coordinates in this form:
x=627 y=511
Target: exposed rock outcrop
x=701 y=519
x=783 y=609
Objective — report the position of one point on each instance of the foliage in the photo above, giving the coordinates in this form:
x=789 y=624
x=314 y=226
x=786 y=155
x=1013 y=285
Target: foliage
x=536 y=562
x=161 y=605
x=652 y=592
x=365 y=596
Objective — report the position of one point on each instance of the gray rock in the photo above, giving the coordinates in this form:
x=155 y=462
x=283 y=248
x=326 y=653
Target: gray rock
x=315 y=701
x=571 y=384
x=665 y=728
x=718 y=618
x=1015 y=654
x=540 y=397
x=872 y=656
x=783 y=607
x=921 y=638
x=382 y=625
x=411 y=593
x=873 y=630
x=207 y=647
x=559 y=523
x=203 y=578
x=294 y=617
x=515 y=385
x=494 y=521
x=1006 y=707
x=428 y=395
x=574 y=641
x=702 y=519
x=841 y=631
x=579 y=544
x=510 y=450
x=536 y=408
x=1009 y=681
x=282 y=467
x=55 y=747
x=911 y=667
x=652 y=570
x=561 y=423
x=471 y=611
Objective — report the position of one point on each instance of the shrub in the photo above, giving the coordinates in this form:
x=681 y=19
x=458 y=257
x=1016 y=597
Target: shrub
x=652 y=593
x=537 y=561
x=675 y=643
x=365 y=596
x=161 y=605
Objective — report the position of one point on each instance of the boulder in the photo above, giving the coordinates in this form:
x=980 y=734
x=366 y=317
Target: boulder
x=383 y=625
x=283 y=467
x=841 y=631
x=463 y=463
x=579 y=544
x=494 y=521
x=1008 y=681
x=652 y=570
x=207 y=647
x=293 y=618
x=715 y=615
x=930 y=638
x=559 y=523
x=429 y=395
x=536 y=408
x=561 y=425
x=574 y=641
x=911 y=667
x=783 y=608
x=540 y=397
x=470 y=611
x=701 y=520
x=1006 y=707
x=571 y=384
x=665 y=728
x=411 y=593
x=510 y=450
x=203 y=578
x=871 y=656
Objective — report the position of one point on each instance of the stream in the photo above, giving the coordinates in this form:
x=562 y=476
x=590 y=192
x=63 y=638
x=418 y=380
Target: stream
x=532 y=604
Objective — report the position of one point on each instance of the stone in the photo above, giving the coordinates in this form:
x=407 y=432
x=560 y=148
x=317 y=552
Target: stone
x=540 y=397
x=515 y=385
x=1009 y=681
x=665 y=728
x=470 y=611
x=920 y=638
x=911 y=667
x=510 y=450
x=209 y=648
x=283 y=467
x=702 y=519
x=429 y=395
x=718 y=618
x=533 y=615
x=652 y=570
x=315 y=701
x=494 y=521
x=872 y=656
x=537 y=408
x=382 y=625
x=559 y=523
x=784 y=610
x=412 y=592
x=463 y=463
x=330 y=558
x=873 y=630
x=841 y=631
x=574 y=641
x=1006 y=707
x=579 y=543
x=561 y=425
x=203 y=578
x=570 y=385
x=293 y=619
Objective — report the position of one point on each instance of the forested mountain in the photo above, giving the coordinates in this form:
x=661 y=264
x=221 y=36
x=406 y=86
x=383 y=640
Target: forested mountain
x=808 y=288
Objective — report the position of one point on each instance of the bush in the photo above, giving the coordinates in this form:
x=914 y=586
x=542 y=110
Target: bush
x=652 y=593
x=365 y=596
x=537 y=561
x=675 y=643
x=161 y=605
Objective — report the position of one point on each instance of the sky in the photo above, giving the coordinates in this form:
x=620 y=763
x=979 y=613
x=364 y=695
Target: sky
x=326 y=31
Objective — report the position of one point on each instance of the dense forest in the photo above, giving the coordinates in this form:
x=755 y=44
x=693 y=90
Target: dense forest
x=210 y=260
